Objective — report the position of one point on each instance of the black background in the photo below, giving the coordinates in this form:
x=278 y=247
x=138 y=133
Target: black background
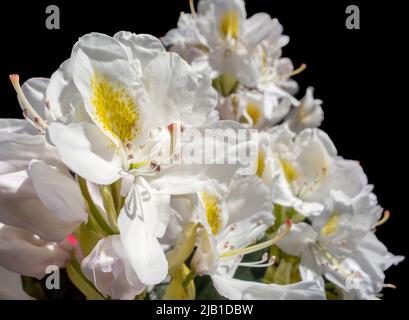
x=355 y=72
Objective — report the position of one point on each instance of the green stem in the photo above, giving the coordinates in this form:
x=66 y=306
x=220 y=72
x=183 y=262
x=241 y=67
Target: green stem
x=110 y=208
x=280 y=216
x=116 y=195
x=189 y=278
x=95 y=217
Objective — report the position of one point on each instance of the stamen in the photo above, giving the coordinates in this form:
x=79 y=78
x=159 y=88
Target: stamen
x=264 y=262
x=333 y=262
x=389 y=285
x=27 y=108
x=155 y=166
x=386 y=215
x=260 y=246
x=297 y=71
x=192 y=8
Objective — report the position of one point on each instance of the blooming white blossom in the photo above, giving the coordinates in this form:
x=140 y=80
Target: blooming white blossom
x=341 y=246
x=242 y=56
x=92 y=180
x=229 y=227
x=302 y=169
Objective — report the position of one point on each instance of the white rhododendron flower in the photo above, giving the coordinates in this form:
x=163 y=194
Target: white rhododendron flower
x=231 y=226
x=183 y=169
x=242 y=56
x=340 y=245
x=308 y=114
x=302 y=169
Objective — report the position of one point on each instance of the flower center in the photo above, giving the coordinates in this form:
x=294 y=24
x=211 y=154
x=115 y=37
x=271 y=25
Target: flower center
x=290 y=172
x=115 y=109
x=254 y=112
x=331 y=226
x=213 y=211
x=229 y=24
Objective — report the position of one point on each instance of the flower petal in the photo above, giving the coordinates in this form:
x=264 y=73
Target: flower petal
x=12 y=286
x=20 y=143
x=34 y=89
x=86 y=151
x=24 y=253
x=61 y=91
x=21 y=207
x=248 y=196
x=108 y=268
x=141 y=221
x=235 y=289
x=59 y=193
x=256 y=29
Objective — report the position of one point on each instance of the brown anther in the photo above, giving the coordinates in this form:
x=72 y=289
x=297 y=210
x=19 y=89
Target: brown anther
x=131 y=156
x=155 y=166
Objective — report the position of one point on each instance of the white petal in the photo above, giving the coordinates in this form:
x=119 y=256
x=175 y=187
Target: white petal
x=100 y=47
x=177 y=92
x=196 y=167
x=109 y=270
x=142 y=47
x=59 y=193
x=24 y=253
x=17 y=126
x=12 y=286
x=19 y=145
x=300 y=235
x=141 y=221
x=235 y=289
x=34 y=89
x=61 y=91
x=205 y=259
x=256 y=29
x=248 y=196
x=21 y=207
x=86 y=151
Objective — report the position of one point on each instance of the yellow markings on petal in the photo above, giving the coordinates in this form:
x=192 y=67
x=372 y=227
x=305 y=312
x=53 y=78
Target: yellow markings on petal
x=331 y=226
x=260 y=163
x=115 y=109
x=290 y=172
x=254 y=112
x=229 y=24
x=213 y=211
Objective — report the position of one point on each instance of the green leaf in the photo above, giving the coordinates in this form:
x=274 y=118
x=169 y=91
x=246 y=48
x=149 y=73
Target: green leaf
x=33 y=287
x=205 y=289
x=87 y=239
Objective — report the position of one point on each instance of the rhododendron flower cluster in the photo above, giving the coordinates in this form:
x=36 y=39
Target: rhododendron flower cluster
x=145 y=167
